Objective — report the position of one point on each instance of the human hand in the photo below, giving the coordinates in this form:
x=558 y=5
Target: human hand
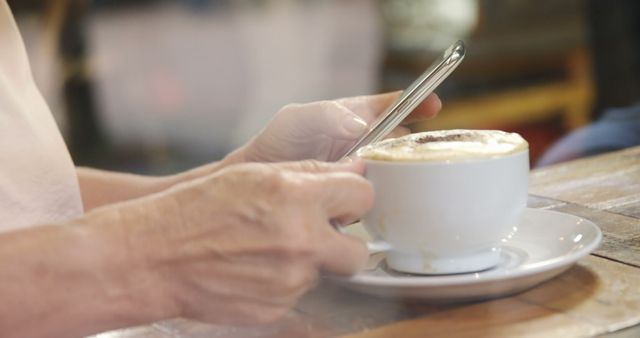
x=324 y=130
x=242 y=245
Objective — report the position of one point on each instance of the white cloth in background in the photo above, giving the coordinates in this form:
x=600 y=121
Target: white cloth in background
x=206 y=80
x=38 y=182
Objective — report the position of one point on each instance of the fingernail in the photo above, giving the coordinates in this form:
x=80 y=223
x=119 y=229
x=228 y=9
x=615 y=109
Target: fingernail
x=354 y=125
x=438 y=103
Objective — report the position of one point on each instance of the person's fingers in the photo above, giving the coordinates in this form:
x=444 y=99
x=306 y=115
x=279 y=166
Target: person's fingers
x=329 y=118
x=342 y=254
x=355 y=166
x=343 y=196
x=257 y=279
x=398 y=131
x=338 y=189
x=371 y=106
x=427 y=109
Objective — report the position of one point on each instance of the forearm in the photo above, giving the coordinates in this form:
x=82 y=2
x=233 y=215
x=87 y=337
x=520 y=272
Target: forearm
x=100 y=187
x=75 y=279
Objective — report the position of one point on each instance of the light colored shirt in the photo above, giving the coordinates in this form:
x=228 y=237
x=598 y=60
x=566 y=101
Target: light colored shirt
x=38 y=182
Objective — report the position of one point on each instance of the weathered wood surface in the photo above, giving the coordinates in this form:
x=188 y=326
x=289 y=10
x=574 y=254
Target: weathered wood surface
x=600 y=295
x=608 y=182
x=596 y=296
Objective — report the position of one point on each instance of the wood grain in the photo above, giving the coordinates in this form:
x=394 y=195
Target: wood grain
x=609 y=182
x=600 y=295
x=595 y=297
x=621 y=233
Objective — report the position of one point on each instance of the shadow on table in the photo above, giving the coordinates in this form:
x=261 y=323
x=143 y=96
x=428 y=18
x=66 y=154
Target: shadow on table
x=331 y=310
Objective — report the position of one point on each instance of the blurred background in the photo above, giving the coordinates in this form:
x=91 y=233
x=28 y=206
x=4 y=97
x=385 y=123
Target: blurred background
x=160 y=86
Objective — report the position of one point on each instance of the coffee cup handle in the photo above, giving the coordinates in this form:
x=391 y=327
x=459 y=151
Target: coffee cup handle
x=373 y=246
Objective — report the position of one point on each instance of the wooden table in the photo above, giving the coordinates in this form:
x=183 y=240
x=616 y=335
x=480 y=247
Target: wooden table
x=598 y=296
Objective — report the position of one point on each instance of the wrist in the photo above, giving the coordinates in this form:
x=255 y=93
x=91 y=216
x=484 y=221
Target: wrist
x=236 y=157
x=76 y=279
x=120 y=266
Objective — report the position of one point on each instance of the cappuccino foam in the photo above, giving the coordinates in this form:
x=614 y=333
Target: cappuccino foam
x=446 y=145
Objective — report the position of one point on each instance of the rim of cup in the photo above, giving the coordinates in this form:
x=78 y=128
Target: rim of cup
x=443 y=162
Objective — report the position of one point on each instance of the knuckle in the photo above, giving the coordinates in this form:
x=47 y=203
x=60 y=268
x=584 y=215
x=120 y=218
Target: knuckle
x=295 y=188
x=301 y=188
x=331 y=106
x=325 y=105
x=298 y=244
x=296 y=280
x=312 y=165
x=290 y=108
x=275 y=183
x=279 y=181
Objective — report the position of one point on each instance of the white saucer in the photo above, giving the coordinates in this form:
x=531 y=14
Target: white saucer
x=546 y=244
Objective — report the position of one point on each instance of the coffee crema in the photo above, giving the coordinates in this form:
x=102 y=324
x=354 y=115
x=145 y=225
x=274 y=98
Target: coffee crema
x=445 y=145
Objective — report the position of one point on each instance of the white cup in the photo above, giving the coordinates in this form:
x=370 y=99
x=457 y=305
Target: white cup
x=449 y=216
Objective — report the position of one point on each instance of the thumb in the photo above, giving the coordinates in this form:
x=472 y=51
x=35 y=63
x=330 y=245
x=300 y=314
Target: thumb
x=355 y=166
x=329 y=118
